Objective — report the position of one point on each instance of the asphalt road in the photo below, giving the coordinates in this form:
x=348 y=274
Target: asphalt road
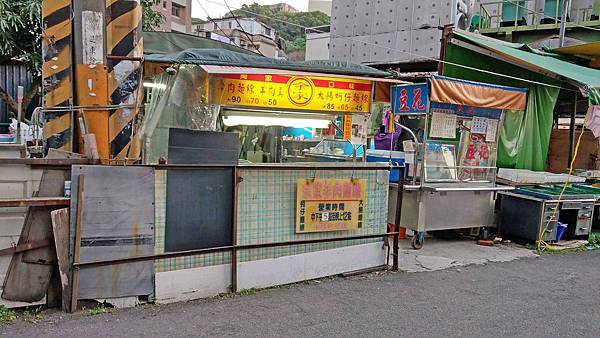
x=534 y=297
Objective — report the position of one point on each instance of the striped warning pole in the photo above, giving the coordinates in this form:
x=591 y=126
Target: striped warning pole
x=124 y=47
x=57 y=72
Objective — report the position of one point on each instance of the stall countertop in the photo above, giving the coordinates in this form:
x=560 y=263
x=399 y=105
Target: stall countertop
x=441 y=187
x=533 y=198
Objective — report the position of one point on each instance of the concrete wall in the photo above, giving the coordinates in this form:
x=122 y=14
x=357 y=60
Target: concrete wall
x=16 y=181
x=189 y=284
x=389 y=31
x=317 y=46
x=172 y=23
x=383 y=31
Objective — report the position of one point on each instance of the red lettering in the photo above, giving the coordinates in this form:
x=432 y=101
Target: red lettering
x=404 y=101
x=417 y=102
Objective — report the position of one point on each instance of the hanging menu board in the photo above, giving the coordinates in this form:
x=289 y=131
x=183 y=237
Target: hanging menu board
x=443 y=125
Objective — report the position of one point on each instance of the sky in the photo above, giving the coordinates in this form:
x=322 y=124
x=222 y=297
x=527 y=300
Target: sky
x=216 y=11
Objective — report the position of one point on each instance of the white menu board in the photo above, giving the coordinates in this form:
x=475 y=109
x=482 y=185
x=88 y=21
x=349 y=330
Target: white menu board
x=443 y=125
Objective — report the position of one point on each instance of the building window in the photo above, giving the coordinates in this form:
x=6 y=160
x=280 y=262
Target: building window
x=177 y=10
x=267 y=31
x=164 y=5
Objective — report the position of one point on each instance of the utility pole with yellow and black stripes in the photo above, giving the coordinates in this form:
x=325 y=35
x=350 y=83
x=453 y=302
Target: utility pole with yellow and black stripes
x=100 y=57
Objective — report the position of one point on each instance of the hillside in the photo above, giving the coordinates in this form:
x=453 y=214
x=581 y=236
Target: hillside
x=284 y=23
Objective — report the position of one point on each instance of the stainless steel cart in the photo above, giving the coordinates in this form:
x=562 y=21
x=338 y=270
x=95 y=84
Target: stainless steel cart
x=453 y=172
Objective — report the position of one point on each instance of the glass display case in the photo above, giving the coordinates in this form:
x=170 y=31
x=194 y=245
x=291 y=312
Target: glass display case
x=454 y=165
x=335 y=150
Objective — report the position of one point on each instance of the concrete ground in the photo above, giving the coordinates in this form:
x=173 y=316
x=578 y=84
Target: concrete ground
x=438 y=254
x=555 y=295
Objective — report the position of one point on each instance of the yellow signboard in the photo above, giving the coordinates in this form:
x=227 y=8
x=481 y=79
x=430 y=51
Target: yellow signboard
x=314 y=93
x=348 y=127
x=330 y=205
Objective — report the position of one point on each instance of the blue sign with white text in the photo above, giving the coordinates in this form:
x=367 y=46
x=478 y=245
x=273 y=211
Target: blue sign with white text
x=410 y=99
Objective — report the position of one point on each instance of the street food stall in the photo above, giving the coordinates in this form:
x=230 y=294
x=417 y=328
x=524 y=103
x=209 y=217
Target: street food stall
x=293 y=117
x=282 y=111
x=452 y=158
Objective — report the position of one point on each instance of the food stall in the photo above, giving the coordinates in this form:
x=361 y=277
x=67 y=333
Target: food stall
x=452 y=158
x=283 y=111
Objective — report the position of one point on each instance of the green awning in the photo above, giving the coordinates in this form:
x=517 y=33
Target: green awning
x=222 y=57
x=587 y=79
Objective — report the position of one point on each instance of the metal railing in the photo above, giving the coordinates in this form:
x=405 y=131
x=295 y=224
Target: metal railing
x=526 y=15
x=235 y=247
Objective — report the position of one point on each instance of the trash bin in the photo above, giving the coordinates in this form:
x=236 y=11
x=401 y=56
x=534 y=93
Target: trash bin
x=560 y=230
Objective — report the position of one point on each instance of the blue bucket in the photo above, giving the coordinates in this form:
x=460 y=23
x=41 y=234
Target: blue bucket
x=560 y=230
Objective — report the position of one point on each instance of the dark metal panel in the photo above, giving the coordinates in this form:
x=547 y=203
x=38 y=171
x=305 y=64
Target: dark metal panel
x=117 y=222
x=199 y=209
x=12 y=75
x=203 y=147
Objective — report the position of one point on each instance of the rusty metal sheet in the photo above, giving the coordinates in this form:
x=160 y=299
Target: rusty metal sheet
x=29 y=273
x=117 y=222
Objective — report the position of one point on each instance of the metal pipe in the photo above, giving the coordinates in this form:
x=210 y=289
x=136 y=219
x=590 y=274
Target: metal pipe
x=234 y=260
x=126 y=58
x=257 y=167
x=221 y=249
x=572 y=134
x=398 y=219
x=416 y=140
x=566 y=5
x=74 y=108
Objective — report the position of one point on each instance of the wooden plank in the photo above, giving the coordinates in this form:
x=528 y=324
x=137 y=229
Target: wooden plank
x=35 y=202
x=47 y=162
x=29 y=273
x=77 y=248
x=24 y=247
x=60 y=228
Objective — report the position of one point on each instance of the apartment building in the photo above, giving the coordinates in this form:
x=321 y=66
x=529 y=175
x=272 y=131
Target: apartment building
x=320 y=5
x=318 y=41
x=283 y=7
x=407 y=32
x=247 y=33
x=177 y=15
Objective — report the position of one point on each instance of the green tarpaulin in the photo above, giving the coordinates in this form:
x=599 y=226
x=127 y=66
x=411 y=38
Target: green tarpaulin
x=587 y=79
x=173 y=42
x=525 y=136
x=221 y=57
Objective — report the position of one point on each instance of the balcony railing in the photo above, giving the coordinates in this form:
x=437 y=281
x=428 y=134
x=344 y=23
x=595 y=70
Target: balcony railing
x=527 y=16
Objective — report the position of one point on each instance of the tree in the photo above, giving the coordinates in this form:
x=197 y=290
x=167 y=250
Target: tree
x=21 y=39
x=288 y=25
x=151 y=18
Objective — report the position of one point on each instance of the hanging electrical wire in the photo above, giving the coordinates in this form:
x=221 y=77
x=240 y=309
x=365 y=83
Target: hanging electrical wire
x=393 y=49
x=250 y=40
x=218 y=27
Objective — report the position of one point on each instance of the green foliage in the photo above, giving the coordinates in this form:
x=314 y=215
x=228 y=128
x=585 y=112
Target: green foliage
x=98 y=310
x=285 y=23
x=151 y=19
x=21 y=32
x=6 y=315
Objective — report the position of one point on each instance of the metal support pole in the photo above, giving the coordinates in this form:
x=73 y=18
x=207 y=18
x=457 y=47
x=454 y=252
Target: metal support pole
x=234 y=260
x=572 y=134
x=566 y=5
x=398 y=218
x=19 y=112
